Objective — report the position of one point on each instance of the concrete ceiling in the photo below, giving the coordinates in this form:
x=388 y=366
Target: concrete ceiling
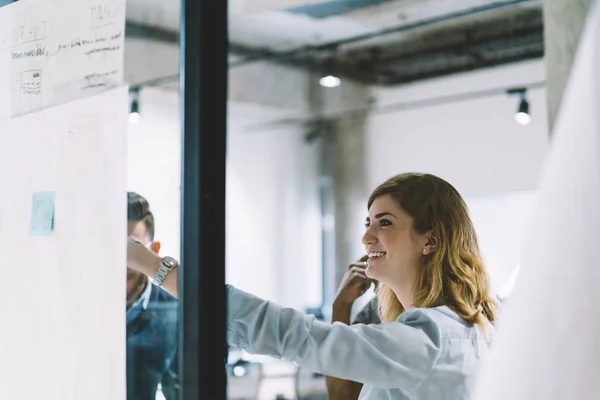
x=372 y=41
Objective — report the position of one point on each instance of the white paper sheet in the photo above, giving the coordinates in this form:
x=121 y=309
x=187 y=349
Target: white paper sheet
x=548 y=344
x=53 y=51
x=63 y=293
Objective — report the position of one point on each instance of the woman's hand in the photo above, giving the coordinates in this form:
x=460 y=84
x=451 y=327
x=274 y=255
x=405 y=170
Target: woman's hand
x=354 y=284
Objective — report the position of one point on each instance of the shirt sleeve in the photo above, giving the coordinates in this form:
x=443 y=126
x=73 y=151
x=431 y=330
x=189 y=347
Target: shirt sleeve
x=391 y=355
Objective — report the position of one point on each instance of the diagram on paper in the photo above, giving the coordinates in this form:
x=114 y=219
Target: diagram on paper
x=28 y=94
x=49 y=57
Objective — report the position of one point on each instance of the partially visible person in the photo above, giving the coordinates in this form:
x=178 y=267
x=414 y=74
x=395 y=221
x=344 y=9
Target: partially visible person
x=434 y=298
x=369 y=314
x=354 y=284
x=151 y=318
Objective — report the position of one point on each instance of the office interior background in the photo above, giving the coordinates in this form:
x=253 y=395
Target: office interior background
x=329 y=99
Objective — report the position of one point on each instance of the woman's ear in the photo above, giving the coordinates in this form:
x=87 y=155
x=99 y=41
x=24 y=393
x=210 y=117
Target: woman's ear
x=433 y=242
x=431 y=245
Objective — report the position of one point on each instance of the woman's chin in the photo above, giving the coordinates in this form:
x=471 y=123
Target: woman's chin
x=372 y=272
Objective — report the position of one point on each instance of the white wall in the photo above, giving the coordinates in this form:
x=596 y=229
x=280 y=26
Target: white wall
x=153 y=163
x=273 y=214
x=475 y=145
x=503 y=223
x=273 y=220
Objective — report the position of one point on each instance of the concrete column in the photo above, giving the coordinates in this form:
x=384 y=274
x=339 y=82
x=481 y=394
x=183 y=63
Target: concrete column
x=351 y=192
x=563 y=23
x=343 y=178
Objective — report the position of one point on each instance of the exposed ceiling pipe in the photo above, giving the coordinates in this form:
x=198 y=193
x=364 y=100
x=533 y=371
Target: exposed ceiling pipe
x=142 y=31
x=137 y=30
x=333 y=45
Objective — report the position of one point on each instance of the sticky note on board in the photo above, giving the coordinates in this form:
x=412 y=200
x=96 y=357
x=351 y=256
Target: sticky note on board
x=42 y=214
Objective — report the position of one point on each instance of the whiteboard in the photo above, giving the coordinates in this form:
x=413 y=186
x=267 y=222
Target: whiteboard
x=53 y=51
x=547 y=346
x=63 y=287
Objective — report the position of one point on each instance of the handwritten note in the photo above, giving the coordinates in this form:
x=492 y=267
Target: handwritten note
x=31 y=31
x=42 y=214
x=49 y=56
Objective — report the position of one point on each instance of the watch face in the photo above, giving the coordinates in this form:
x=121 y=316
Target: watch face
x=169 y=262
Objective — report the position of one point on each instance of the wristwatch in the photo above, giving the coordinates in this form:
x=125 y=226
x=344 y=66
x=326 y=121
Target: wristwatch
x=167 y=264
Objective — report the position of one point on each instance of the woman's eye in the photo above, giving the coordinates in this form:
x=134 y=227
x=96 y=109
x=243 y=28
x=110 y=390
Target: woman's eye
x=367 y=224
x=385 y=222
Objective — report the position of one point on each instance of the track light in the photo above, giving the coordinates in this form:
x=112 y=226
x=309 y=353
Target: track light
x=240 y=368
x=134 y=111
x=522 y=116
x=330 y=81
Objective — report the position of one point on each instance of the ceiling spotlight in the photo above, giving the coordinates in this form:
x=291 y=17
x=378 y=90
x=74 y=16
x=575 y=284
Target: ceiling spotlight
x=134 y=111
x=330 y=81
x=239 y=371
x=240 y=368
x=522 y=116
x=134 y=115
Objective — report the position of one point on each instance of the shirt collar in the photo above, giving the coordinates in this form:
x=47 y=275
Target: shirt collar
x=145 y=296
x=141 y=303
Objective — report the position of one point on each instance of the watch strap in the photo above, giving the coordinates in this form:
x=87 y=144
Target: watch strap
x=167 y=264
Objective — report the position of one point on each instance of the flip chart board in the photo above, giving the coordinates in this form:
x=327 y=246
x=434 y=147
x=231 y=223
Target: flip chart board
x=63 y=219
x=53 y=51
x=547 y=342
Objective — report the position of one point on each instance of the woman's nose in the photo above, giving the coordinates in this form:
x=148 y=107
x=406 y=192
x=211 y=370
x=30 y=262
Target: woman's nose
x=368 y=237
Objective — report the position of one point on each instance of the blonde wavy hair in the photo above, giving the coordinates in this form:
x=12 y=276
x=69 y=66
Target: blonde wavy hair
x=454 y=275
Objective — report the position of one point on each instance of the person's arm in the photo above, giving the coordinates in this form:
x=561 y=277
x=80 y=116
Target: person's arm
x=353 y=285
x=341 y=389
x=392 y=355
x=144 y=260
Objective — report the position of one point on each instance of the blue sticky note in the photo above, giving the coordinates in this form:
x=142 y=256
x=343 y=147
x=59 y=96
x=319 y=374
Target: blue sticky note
x=42 y=214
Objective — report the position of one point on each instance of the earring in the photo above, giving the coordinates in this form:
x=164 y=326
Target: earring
x=425 y=251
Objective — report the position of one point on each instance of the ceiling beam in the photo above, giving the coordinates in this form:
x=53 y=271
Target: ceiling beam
x=332 y=46
x=356 y=65
x=137 y=30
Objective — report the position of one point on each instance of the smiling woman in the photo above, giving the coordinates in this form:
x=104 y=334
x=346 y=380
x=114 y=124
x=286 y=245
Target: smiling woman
x=433 y=257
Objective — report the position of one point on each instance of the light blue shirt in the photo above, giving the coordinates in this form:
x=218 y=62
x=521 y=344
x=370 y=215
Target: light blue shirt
x=427 y=354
